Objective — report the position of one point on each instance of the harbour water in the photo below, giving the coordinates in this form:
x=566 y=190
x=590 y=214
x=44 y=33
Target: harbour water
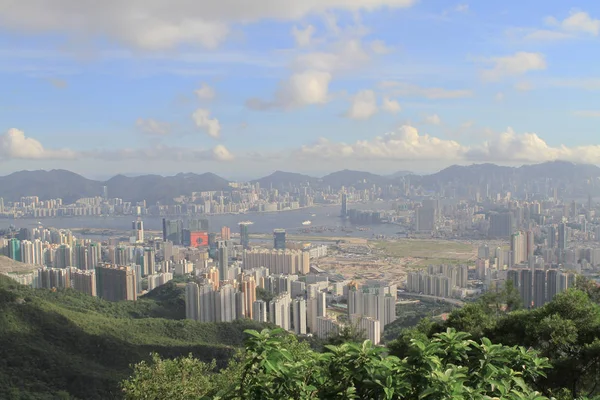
x=292 y=221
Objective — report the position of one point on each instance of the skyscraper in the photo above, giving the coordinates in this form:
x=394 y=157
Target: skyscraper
x=501 y=225
x=173 y=231
x=14 y=249
x=244 y=235
x=279 y=239
x=279 y=311
x=225 y=233
x=192 y=305
x=526 y=287
x=299 y=316
x=116 y=283
x=259 y=311
x=149 y=261
x=223 y=261
x=539 y=288
x=562 y=236
x=137 y=228
x=249 y=291
x=344 y=212
x=84 y=281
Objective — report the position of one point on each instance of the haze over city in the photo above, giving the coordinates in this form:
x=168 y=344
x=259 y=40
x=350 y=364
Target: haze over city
x=316 y=199
x=311 y=87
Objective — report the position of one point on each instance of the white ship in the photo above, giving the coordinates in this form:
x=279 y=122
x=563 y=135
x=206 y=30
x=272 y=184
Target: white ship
x=306 y=223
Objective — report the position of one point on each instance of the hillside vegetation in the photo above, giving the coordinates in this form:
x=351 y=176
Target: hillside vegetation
x=66 y=345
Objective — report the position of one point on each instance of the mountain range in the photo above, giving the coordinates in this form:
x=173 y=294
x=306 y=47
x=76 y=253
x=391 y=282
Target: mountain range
x=155 y=188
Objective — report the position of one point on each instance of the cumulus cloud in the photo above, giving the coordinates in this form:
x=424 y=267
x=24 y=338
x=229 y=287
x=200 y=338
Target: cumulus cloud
x=301 y=89
x=203 y=121
x=158 y=24
x=205 y=92
x=407 y=144
x=432 y=119
x=576 y=22
x=304 y=36
x=343 y=55
x=379 y=47
x=220 y=153
x=15 y=145
x=363 y=105
x=403 y=144
x=391 y=106
x=411 y=90
x=515 y=64
x=153 y=127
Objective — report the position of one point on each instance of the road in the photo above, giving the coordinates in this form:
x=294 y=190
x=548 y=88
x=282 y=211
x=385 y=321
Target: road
x=456 y=302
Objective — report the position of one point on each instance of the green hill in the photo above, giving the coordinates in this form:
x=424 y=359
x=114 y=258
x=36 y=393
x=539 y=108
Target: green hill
x=67 y=345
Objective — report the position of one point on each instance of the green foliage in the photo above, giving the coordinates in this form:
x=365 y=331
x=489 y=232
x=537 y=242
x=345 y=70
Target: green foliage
x=566 y=330
x=54 y=344
x=264 y=295
x=275 y=366
x=409 y=315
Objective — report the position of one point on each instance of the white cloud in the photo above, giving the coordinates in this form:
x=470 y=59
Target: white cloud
x=577 y=22
x=514 y=65
x=15 y=145
x=303 y=37
x=462 y=8
x=499 y=96
x=407 y=144
x=301 y=89
x=432 y=119
x=523 y=86
x=363 y=106
x=578 y=83
x=410 y=90
x=58 y=83
x=391 y=106
x=587 y=113
x=203 y=121
x=379 y=47
x=153 y=127
x=205 y=92
x=220 y=153
x=159 y=24
x=343 y=55
x=404 y=144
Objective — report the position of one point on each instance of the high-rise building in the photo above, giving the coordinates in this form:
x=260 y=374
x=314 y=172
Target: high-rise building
x=173 y=231
x=539 y=288
x=226 y=304
x=279 y=311
x=223 y=262
x=48 y=278
x=344 y=212
x=552 y=237
x=116 y=283
x=244 y=235
x=14 y=249
x=63 y=257
x=501 y=225
x=1 y=205
x=562 y=236
x=526 y=287
x=225 y=233
x=137 y=228
x=424 y=219
x=105 y=192
x=259 y=311
x=249 y=291
x=279 y=239
x=84 y=281
x=192 y=301
x=327 y=327
x=94 y=254
x=369 y=327
x=81 y=257
x=149 y=261
x=518 y=248
x=299 y=316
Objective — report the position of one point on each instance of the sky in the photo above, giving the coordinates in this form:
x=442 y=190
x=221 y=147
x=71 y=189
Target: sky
x=243 y=88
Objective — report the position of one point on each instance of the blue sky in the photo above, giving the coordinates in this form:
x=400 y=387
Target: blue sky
x=245 y=88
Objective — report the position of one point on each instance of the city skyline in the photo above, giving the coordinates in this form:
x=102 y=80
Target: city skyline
x=310 y=87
